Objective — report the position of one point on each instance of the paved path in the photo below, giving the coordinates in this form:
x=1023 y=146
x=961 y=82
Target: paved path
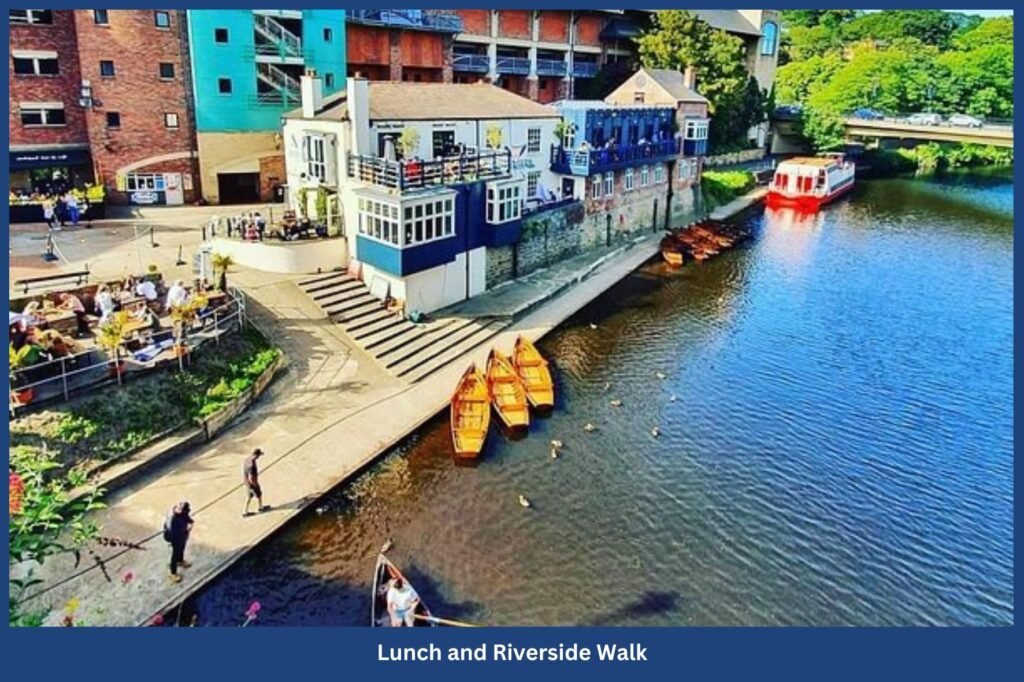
x=332 y=414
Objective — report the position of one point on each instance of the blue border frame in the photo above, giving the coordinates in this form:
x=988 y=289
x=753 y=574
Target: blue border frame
x=792 y=654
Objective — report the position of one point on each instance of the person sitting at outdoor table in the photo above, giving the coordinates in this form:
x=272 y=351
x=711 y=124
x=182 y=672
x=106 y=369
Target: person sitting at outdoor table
x=74 y=304
x=177 y=295
x=146 y=316
x=32 y=314
x=261 y=225
x=251 y=233
x=104 y=303
x=146 y=290
x=18 y=335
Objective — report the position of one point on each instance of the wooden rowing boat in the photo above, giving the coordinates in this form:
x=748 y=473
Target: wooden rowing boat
x=672 y=252
x=383 y=575
x=533 y=371
x=471 y=414
x=507 y=392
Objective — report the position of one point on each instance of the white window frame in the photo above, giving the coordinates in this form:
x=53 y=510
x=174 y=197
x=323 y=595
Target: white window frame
x=532 y=183
x=645 y=176
x=379 y=220
x=314 y=154
x=170 y=116
x=32 y=16
x=609 y=183
x=504 y=201
x=769 y=39
x=428 y=220
x=696 y=129
x=96 y=17
x=41 y=108
x=35 y=56
x=596 y=183
x=628 y=180
x=569 y=136
x=145 y=182
x=533 y=140
x=684 y=169
x=659 y=174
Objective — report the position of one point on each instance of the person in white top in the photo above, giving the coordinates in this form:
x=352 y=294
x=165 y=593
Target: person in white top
x=177 y=295
x=104 y=302
x=146 y=289
x=402 y=602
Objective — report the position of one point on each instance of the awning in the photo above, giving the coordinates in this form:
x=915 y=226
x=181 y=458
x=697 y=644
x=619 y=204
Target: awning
x=43 y=158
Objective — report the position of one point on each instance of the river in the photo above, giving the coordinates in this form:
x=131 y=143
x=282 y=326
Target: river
x=835 y=447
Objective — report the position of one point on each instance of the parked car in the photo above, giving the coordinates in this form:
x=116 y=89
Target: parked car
x=965 y=121
x=924 y=119
x=867 y=114
x=789 y=111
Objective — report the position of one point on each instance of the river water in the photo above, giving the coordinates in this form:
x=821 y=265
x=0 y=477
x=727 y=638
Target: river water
x=836 y=424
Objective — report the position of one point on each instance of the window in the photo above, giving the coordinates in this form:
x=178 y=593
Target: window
x=429 y=222
x=769 y=38
x=378 y=220
x=101 y=17
x=684 y=170
x=328 y=35
x=329 y=80
x=113 y=119
x=31 y=16
x=31 y=63
x=151 y=182
x=533 y=140
x=224 y=86
x=659 y=174
x=609 y=184
x=314 y=151
x=504 y=202
x=569 y=135
x=38 y=114
x=106 y=68
x=638 y=97
x=532 y=182
x=627 y=179
x=166 y=70
x=696 y=129
x=645 y=176
x=162 y=19
x=220 y=35
x=595 y=187
x=170 y=120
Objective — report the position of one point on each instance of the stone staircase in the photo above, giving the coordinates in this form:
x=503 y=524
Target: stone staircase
x=409 y=351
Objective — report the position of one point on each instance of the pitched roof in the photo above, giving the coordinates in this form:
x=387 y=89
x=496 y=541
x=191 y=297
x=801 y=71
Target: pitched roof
x=728 y=20
x=674 y=83
x=403 y=101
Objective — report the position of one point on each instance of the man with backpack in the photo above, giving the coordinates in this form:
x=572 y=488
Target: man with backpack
x=177 y=528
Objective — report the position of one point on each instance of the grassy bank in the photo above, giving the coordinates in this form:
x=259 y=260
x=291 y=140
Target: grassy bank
x=931 y=157
x=95 y=428
x=721 y=187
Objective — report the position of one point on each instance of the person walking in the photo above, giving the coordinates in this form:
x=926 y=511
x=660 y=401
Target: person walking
x=251 y=475
x=177 y=528
x=71 y=201
x=50 y=214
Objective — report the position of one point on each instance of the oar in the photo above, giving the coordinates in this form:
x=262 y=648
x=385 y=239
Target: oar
x=445 y=621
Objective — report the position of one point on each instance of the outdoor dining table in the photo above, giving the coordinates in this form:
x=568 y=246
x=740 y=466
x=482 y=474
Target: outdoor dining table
x=61 y=320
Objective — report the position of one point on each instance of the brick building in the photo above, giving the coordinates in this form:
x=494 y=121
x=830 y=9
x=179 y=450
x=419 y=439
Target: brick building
x=401 y=45
x=104 y=96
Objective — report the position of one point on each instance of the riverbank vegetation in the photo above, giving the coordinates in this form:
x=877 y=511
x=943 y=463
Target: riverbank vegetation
x=895 y=61
x=52 y=450
x=677 y=39
x=933 y=156
x=721 y=187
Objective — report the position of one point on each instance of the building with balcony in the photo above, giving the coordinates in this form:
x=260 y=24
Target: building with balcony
x=104 y=96
x=427 y=176
x=246 y=70
x=401 y=45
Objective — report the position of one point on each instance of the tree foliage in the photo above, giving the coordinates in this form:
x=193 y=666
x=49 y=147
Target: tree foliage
x=677 y=40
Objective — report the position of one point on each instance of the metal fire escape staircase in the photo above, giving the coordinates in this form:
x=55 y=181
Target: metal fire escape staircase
x=284 y=88
x=279 y=41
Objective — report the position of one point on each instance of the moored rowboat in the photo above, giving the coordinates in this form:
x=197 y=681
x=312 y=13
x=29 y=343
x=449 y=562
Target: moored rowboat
x=470 y=414
x=507 y=392
x=533 y=371
x=383 y=575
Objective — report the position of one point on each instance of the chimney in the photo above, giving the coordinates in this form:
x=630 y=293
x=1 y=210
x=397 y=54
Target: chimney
x=312 y=94
x=690 y=78
x=357 y=97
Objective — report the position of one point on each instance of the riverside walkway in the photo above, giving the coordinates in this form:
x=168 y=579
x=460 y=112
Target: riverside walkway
x=332 y=414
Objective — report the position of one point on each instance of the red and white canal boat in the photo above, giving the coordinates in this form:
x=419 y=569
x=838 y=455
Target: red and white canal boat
x=811 y=182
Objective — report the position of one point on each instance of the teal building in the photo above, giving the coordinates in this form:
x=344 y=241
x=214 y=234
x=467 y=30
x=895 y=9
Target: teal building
x=246 y=69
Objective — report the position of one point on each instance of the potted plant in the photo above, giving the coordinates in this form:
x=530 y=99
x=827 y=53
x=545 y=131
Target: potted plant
x=19 y=360
x=184 y=316
x=221 y=263
x=109 y=337
x=409 y=143
x=153 y=274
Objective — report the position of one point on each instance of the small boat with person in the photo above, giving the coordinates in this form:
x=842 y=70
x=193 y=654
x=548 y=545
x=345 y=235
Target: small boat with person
x=810 y=182
x=508 y=395
x=386 y=576
x=535 y=374
x=470 y=414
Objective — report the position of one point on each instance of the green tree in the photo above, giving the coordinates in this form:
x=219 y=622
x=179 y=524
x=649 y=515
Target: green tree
x=930 y=26
x=992 y=31
x=679 y=39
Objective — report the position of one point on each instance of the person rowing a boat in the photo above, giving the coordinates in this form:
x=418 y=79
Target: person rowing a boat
x=402 y=603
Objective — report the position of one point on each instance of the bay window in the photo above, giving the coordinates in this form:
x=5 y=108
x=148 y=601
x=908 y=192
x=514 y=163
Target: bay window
x=504 y=201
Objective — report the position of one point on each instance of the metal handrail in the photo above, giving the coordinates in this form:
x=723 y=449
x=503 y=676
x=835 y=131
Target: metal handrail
x=436 y=20
x=471 y=62
x=415 y=174
x=278 y=34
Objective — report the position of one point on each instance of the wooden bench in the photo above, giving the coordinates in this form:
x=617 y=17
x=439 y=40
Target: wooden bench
x=27 y=283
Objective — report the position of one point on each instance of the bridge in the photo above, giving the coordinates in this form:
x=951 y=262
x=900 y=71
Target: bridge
x=995 y=135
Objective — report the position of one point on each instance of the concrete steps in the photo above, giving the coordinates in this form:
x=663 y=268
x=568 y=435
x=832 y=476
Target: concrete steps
x=409 y=351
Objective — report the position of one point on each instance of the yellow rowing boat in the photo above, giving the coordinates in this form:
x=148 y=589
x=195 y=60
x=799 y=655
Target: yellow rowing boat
x=471 y=414
x=507 y=392
x=533 y=371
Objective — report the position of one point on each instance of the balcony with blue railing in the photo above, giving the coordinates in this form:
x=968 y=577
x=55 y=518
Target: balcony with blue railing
x=416 y=174
x=585 y=162
x=585 y=69
x=471 y=63
x=415 y=19
x=514 y=66
x=551 y=67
